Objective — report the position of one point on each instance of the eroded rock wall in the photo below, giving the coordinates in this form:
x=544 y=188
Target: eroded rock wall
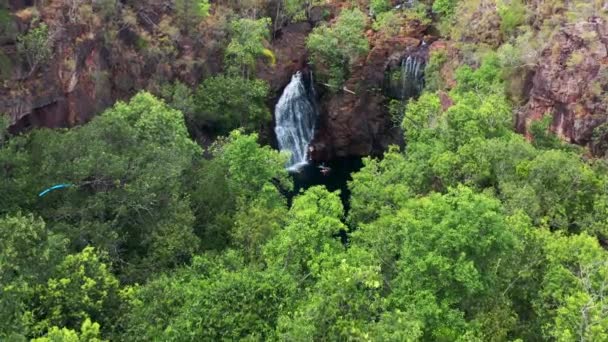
x=571 y=83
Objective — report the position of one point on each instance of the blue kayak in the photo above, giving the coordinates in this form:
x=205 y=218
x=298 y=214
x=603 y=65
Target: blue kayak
x=55 y=187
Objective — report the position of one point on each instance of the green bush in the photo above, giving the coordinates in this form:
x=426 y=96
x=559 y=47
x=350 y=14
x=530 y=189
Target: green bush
x=512 y=15
x=432 y=72
x=445 y=8
x=379 y=6
x=190 y=12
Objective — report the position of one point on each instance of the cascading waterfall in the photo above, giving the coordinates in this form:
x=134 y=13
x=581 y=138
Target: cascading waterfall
x=295 y=115
x=412 y=77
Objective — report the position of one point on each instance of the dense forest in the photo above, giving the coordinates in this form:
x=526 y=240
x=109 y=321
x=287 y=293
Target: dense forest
x=478 y=212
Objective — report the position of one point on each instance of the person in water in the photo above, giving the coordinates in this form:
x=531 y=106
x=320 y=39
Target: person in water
x=325 y=170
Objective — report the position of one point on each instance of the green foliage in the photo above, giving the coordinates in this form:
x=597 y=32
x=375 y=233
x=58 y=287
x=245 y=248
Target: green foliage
x=377 y=188
x=512 y=14
x=572 y=301
x=418 y=12
x=4 y=125
x=35 y=47
x=449 y=250
x=6 y=66
x=246 y=45
x=5 y=17
x=81 y=288
x=179 y=96
x=295 y=9
x=89 y=332
x=470 y=232
x=433 y=80
x=445 y=8
x=191 y=12
x=542 y=137
x=245 y=214
x=28 y=253
x=388 y=23
x=308 y=238
x=119 y=189
x=215 y=299
x=379 y=6
x=334 y=49
x=224 y=103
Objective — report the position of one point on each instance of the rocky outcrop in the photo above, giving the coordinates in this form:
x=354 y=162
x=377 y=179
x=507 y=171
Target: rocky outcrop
x=570 y=83
x=356 y=122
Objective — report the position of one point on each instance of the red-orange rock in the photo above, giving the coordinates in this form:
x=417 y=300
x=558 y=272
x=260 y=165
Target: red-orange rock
x=570 y=82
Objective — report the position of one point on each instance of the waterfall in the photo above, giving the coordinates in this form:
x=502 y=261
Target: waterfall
x=295 y=115
x=412 y=77
x=405 y=80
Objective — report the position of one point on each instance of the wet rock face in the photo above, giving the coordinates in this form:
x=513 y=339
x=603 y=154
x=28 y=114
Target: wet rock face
x=570 y=83
x=356 y=122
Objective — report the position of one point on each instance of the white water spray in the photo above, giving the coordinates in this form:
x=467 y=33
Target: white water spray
x=295 y=116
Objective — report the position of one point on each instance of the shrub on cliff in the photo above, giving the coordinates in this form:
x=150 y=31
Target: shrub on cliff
x=35 y=47
x=190 y=12
x=334 y=49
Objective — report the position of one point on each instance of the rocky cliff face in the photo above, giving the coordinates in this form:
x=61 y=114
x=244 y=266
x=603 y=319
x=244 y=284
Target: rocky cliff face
x=570 y=84
x=97 y=61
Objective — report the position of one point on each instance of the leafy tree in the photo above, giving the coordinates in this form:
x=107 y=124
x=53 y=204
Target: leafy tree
x=191 y=12
x=389 y=23
x=28 y=254
x=81 y=288
x=310 y=235
x=572 y=301
x=542 y=137
x=210 y=301
x=89 y=332
x=445 y=8
x=246 y=45
x=341 y=304
x=35 y=47
x=556 y=188
x=334 y=49
x=433 y=79
x=448 y=250
x=512 y=14
x=179 y=96
x=223 y=103
x=377 y=188
x=258 y=221
x=250 y=178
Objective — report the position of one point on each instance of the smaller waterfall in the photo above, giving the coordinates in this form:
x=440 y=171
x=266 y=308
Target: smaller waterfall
x=406 y=80
x=412 y=77
x=295 y=115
